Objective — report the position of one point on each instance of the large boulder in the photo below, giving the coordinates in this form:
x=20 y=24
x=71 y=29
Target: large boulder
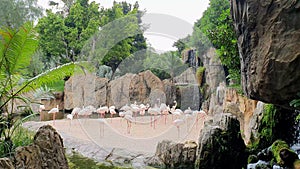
x=144 y=87
x=221 y=144
x=51 y=148
x=46 y=152
x=174 y=155
x=268 y=39
x=85 y=90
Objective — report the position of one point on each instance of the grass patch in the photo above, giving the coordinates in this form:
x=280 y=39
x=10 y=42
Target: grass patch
x=20 y=137
x=77 y=161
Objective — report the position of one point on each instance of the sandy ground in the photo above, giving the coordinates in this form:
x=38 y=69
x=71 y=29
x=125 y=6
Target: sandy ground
x=114 y=132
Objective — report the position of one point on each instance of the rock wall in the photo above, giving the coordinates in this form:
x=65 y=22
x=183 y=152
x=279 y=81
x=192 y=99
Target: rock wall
x=214 y=75
x=242 y=107
x=221 y=144
x=268 y=39
x=47 y=152
x=84 y=90
x=174 y=155
x=145 y=87
x=188 y=89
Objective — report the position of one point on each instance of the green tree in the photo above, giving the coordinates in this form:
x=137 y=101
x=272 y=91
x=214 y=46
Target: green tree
x=16 y=48
x=13 y=13
x=169 y=62
x=133 y=41
x=62 y=36
x=180 y=44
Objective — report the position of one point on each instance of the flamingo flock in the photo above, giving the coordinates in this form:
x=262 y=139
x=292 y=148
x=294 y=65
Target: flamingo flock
x=129 y=112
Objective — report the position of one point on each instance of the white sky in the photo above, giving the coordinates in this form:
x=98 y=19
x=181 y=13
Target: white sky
x=173 y=19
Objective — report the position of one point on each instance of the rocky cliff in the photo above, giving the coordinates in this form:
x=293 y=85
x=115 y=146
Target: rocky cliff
x=268 y=39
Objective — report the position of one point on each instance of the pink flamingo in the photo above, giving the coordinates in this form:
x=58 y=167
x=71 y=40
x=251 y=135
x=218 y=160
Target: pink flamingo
x=102 y=110
x=165 y=111
x=153 y=111
x=200 y=114
x=129 y=120
x=177 y=123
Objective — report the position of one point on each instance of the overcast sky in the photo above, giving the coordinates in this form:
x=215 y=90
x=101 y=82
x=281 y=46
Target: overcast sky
x=172 y=19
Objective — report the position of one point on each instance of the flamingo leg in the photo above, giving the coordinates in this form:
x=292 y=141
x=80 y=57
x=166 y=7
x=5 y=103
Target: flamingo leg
x=54 y=118
x=154 y=122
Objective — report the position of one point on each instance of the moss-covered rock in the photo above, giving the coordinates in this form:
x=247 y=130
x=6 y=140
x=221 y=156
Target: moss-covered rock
x=283 y=155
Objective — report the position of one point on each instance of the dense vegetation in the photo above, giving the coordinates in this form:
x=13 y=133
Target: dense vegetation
x=215 y=28
x=16 y=48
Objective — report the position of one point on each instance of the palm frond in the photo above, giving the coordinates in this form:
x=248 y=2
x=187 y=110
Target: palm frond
x=53 y=75
x=17 y=48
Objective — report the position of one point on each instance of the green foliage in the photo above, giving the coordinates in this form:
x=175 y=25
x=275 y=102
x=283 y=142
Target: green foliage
x=169 y=62
x=57 y=86
x=21 y=137
x=77 y=161
x=296 y=102
x=16 y=48
x=62 y=37
x=200 y=74
x=123 y=20
x=276 y=147
x=215 y=28
x=267 y=127
x=14 y=13
x=266 y=130
x=180 y=45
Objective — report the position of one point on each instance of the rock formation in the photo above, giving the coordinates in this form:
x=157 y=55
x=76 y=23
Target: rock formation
x=268 y=39
x=221 y=144
x=47 y=152
x=145 y=87
x=84 y=90
x=188 y=89
x=5 y=163
x=174 y=155
x=242 y=107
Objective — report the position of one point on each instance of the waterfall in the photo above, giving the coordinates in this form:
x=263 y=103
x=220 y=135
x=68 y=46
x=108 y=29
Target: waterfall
x=296 y=141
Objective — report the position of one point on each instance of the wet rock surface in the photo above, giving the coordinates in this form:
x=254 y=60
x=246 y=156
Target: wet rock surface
x=268 y=39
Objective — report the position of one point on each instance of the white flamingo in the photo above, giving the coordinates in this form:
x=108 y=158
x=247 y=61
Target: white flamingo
x=86 y=111
x=41 y=108
x=53 y=111
x=70 y=117
x=129 y=120
x=176 y=112
x=75 y=111
x=112 y=111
